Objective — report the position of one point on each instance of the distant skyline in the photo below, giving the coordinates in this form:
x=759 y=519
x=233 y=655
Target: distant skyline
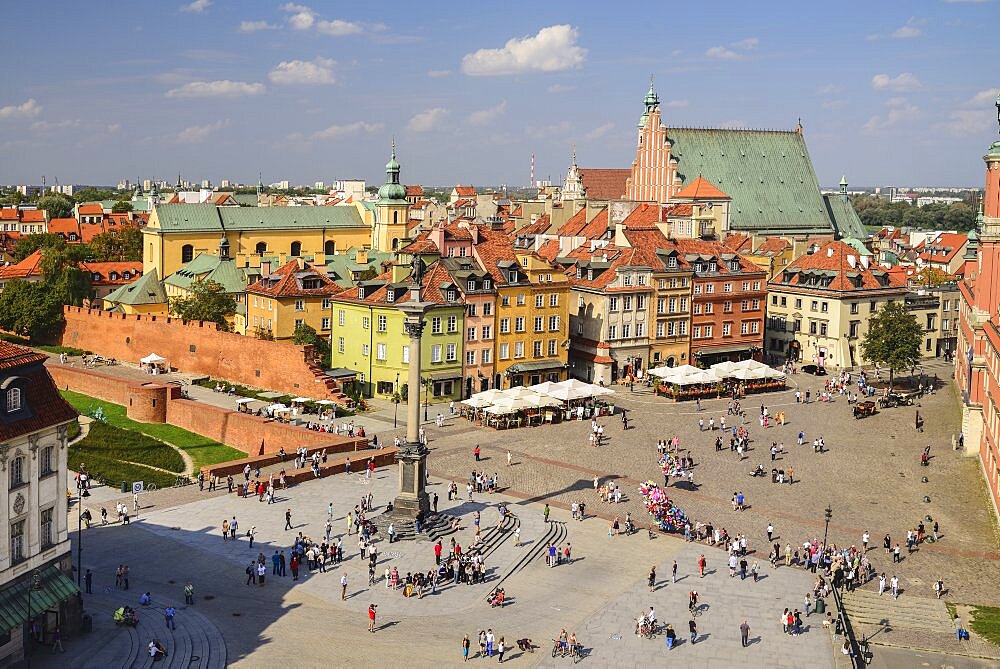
x=221 y=89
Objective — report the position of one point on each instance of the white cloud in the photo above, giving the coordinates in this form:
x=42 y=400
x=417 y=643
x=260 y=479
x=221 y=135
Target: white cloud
x=254 y=26
x=828 y=89
x=316 y=71
x=561 y=88
x=199 y=133
x=302 y=17
x=427 y=120
x=969 y=121
x=899 y=110
x=722 y=53
x=553 y=49
x=903 y=82
x=196 y=7
x=56 y=125
x=338 y=28
x=28 y=109
x=543 y=132
x=484 y=116
x=909 y=30
x=599 y=131
x=674 y=103
x=437 y=74
x=346 y=130
x=987 y=97
x=223 y=88
x=747 y=44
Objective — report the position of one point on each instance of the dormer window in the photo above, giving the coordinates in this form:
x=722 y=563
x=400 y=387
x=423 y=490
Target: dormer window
x=487 y=284
x=734 y=265
x=451 y=295
x=579 y=272
x=713 y=267
x=627 y=280
x=113 y=276
x=471 y=285
x=672 y=262
x=95 y=277
x=126 y=275
x=590 y=275
x=390 y=295
x=13 y=400
x=361 y=292
x=512 y=275
x=698 y=267
x=524 y=261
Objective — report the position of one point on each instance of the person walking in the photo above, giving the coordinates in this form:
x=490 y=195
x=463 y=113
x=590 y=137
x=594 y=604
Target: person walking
x=88 y=579
x=189 y=594
x=465 y=648
x=509 y=457
x=545 y=513
x=233 y=526
x=744 y=634
x=168 y=617
x=652 y=578
x=693 y=628
x=251 y=533
x=673 y=572
x=701 y=565
x=343 y=587
x=770 y=532
x=371 y=618
x=500 y=649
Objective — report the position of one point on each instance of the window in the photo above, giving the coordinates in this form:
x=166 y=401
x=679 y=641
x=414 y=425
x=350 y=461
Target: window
x=708 y=308
x=626 y=279
x=295 y=249
x=553 y=323
x=451 y=295
x=470 y=358
x=708 y=331
x=727 y=307
x=365 y=322
x=661 y=305
x=746 y=285
x=340 y=344
x=672 y=305
x=452 y=323
x=683 y=328
x=797 y=325
x=641 y=279
x=745 y=327
x=612 y=304
x=754 y=305
x=390 y=295
x=436 y=353
x=727 y=288
x=451 y=353
x=671 y=328
x=853 y=332
x=382 y=323
x=340 y=317
x=554 y=300
x=612 y=332
x=774 y=300
x=784 y=301
x=45 y=462
x=436 y=325
x=487 y=356
x=327 y=303
x=519 y=324
x=470 y=334
x=17 y=472
x=539 y=323
x=727 y=329
x=520 y=300
x=672 y=262
x=45 y=528
x=471 y=285
x=539 y=301
x=824 y=307
x=380 y=351
x=872 y=306
x=365 y=350
x=17 y=542
x=640 y=302
x=660 y=329
x=696 y=310
x=300 y=305
x=696 y=289
x=684 y=304
x=504 y=326
x=696 y=332
x=756 y=285
x=13 y=400
x=814 y=305
x=755 y=327
x=822 y=329
x=187 y=253
x=325 y=324
x=710 y=288
x=504 y=351
x=487 y=309
x=798 y=303
x=536 y=349
x=519 y=349
x=626 y=330
x=812 y=327
x=406 y=354
x=552 y=347
x=745 y=305
x=640 y=329
x=627 y=303
x=487 y=332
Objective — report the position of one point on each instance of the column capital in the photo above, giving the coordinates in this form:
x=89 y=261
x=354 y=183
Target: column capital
x=414 y=327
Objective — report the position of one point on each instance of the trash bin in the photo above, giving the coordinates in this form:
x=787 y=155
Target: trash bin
x=239 y=489
x=124 y=486
x=86 y=623
x=820 y=606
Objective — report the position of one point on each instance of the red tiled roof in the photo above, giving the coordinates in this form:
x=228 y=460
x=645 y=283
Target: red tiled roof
x=677 y=210
x=105 y=269
x=435 y=276
x=12 y=355
x=574 y=224
x=834 y=257
x=465 y=191
x=538 y=227
x=91 y=209
x=421 y=244
x=737 y=243
x=65 y=226
x=8 y=214
x=414 y=191
x=30 y=266
x=643 y=216
x=604 y=184
x=46 y=406
x=549 y=250
x=288 y=282
x=700 y=189
x=773 y=246
x=943 y=248
x=716 y=249
x=33 y=215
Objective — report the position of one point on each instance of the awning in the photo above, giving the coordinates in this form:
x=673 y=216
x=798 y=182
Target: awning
x=341 y=373
x=445 y=376
x=536 y=366
x=725 y=349
x=52 y=588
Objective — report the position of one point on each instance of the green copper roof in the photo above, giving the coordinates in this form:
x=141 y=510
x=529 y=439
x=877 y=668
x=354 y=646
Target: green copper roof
x=767 y=173
x=994 y=151
x=845 y=220
x=199 y=217
x=147 y=289
x=205 y=267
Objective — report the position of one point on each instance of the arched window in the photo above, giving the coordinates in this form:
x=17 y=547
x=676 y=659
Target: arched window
x=295 y=249
x=395 y=243
x=330 y=247
x=261 y=248
x=187 y=253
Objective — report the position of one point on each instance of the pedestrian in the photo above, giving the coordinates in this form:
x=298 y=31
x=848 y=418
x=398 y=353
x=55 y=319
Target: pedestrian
x=251 y=572
x=57 y=640
x=465 y=648
x=894 y=586
x=88 y=579
x=434 y=502
x=545 y=513
x=288 y=519
x=938 y=588
x=693 y=628
x=652 y=578
x=745 y=634
x=261 y=571
x=189 y=594
x=673 y=572
x=343 y=587
x=168 y=616
x=371 y=618
x=476 y=452
x=770 y=532
x=233 y=526
x=509 y=457
x=500 y=649
x=701 y=565
x=250 y=534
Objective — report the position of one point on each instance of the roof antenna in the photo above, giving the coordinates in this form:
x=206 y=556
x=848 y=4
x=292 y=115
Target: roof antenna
x=798 y=126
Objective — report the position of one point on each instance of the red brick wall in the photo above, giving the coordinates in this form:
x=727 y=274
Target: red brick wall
x=195 y=347
x=89 y=382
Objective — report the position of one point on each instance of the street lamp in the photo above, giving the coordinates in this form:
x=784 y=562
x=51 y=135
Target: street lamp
x=828 y=514
x=81 y=492
x=427 y=396
x=395 y=413
x=34 y=583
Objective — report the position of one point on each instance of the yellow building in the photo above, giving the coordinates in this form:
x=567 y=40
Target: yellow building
x=293 y=295
x=145 y=295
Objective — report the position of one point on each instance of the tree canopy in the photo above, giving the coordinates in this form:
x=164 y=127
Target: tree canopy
x=117 y=245
x=31 y=310
x=208 y=301
x=877 y=212
x=62 y=276
x=121 y=207
x=31 y=243
x=893 y=338
x=307 y=335
x=57 y=205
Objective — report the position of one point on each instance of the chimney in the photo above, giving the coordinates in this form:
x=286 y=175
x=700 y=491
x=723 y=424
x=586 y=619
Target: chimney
x=620 y=239
x=300 y=262
x=829 y=252
x=852 y=261
x=362 y=257
x=864 y=261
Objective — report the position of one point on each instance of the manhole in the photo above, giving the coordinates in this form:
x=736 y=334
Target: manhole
x=392 y=555
x=616 y=637
x=208 y=598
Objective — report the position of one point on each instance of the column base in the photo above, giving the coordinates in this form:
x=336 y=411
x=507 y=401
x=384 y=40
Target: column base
x=408 y=507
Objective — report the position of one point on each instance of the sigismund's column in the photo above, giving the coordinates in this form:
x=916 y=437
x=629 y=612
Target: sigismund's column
x=412 y=457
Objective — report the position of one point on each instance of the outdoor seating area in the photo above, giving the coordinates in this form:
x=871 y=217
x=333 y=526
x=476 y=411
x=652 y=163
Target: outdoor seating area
x=154 y=364
x=545 y=403
x=721 y=379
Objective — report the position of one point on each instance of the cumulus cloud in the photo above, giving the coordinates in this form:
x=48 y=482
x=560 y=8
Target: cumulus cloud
x=909 y=30
x=346 y=130
x=735 y=51
x=427 y=120
x=899 y=110
x=485 y=116
x=196 y=7
x=550 y=50
x=599 y=131
x=27 y=109
x=302 y=17
x=223 y=88
x=722 y=53
x=987 y=97
x=902 y=83
x=254 y=26
x=315 y=71
x=340 y=28
x=199 y=133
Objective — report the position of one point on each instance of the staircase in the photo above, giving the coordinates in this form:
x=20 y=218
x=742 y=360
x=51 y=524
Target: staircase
x=555 y=533
x=333 y=389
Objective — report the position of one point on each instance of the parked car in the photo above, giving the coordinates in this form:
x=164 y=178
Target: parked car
x=815 y=370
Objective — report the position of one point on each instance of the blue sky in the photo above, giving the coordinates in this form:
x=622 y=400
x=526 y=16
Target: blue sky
x=888 y=92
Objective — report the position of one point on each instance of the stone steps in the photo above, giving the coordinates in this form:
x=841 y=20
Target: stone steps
x=868 y=608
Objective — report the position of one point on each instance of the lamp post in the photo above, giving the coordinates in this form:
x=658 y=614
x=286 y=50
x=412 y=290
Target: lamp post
x=427 y=396
x=80 y=493
x=34 y=583
x=828 y=515
x=395 y=413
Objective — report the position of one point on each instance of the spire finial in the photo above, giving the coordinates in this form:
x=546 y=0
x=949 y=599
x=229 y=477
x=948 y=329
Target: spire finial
x=574 y=153
x=393 y=146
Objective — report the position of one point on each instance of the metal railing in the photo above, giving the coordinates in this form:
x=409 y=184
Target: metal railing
x=859 y=651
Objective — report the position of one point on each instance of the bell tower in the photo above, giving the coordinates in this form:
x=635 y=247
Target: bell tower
x=391 y=210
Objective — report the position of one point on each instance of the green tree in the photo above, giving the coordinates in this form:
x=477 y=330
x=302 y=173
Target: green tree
x=208 y=301
x=58 y=206
x=12 y=199
x=307 y=335
x=122 y=244
x=28 y=245
x=893 y=338
x=62 y=276
x=30 y=310
x=121 y=207
x=91 y=194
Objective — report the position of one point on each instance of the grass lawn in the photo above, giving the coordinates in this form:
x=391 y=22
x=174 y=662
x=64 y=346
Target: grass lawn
x=126 y=445
x=986 y=623
x=203 y=451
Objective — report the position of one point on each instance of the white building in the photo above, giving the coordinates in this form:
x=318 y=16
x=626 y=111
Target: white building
x=35 y=559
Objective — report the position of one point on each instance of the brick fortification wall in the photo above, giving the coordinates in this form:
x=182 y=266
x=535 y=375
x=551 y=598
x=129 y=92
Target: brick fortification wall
x=239 y=430
x=197 y=347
